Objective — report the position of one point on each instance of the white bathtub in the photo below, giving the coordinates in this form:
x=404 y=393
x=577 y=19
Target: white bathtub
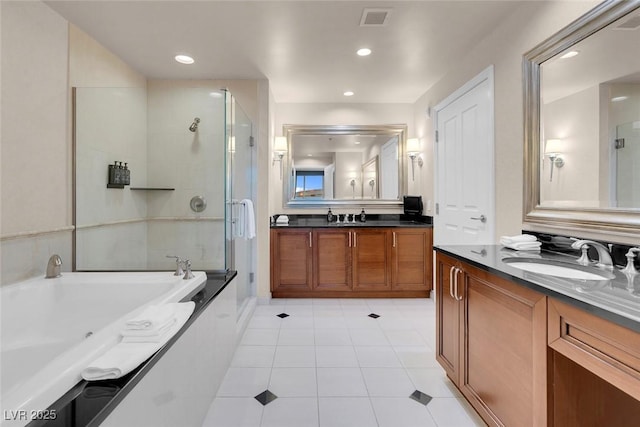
x=53 y=328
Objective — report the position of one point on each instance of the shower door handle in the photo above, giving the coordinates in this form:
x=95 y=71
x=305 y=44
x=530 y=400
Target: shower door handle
x=480 y=218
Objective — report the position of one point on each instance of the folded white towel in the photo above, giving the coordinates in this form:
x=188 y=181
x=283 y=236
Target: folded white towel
x=147 y=335
x=125 y=357
x=524 y=246
x=282 y=219
x=153 y=317
x=505 y=240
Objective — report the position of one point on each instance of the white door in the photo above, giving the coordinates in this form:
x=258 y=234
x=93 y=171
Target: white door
x=389 y=170
x=465 y=190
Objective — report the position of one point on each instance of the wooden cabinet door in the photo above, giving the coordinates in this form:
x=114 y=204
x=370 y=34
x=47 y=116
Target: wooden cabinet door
x=447 y=318
x=411 y=259
x=371 y=259
x=332 y=256
x=504 y=362
x=291 y=261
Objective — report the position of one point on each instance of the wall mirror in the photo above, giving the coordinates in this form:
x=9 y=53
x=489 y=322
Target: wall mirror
x=582 y=123
x=344 y=165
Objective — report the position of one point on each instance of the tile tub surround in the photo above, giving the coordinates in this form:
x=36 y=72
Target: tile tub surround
x=329 y=364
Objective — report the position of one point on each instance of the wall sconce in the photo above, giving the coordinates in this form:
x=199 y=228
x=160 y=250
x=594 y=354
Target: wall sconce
x=352 y=183
x=552 y=150
x=279 y=150
x=413 y=150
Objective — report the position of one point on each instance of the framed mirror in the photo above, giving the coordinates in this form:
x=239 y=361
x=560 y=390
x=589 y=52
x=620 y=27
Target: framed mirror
x=582 y=123
x=344 y=165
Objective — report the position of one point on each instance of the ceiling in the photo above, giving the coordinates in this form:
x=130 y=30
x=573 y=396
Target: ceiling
x=306 y=49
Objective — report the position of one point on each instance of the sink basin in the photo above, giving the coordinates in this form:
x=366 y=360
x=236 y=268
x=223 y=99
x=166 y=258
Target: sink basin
x=558 y=268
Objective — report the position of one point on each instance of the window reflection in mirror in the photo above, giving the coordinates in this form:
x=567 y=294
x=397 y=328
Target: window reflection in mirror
x=329 y=164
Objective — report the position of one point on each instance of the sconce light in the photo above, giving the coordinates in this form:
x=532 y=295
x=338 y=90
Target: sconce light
x=552 y=150
x=352 y=183
x=413 y=150
x=279 y=149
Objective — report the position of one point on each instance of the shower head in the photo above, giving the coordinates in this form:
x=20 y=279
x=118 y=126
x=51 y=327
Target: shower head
x=194 y=125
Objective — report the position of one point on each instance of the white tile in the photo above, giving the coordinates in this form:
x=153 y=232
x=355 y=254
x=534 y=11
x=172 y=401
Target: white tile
x=327 y=301
x=234 y=412
x=299 y=310
x=360 y=321
x=269 y=310
x=377 y=357
x=346 y=412
x=452 y=412
x=336 y=357
x=291 y=412
x=253 y=356
x=349 y=302
x=293 y=382
x=332 y=337
x=391 y=323
x=298 y=301
x=297 y=322
x=401 y=412
x=264 y=322
x=433 y=381
x=296 y=337
x=244 y=382
x=361 y=337
x=337 y=382
x=416 y=356
x=404 y=337
x=387 y=382
x=329 y=322
x=260 y=337
x=295 y=357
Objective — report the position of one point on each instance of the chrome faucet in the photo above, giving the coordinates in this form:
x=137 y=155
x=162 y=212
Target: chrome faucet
x=604 y=257
x=53 y=267
x=631 y=256
x=179 y=271
x=187 y=273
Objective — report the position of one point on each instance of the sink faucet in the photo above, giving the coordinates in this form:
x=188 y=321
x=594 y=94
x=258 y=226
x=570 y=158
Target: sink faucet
x=53 y=267
x=604 y=257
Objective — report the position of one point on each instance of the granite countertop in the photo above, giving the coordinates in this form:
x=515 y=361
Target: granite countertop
x=384 y=220
x=616 y=299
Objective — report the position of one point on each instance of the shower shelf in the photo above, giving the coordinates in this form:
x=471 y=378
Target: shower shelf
x=153 y=188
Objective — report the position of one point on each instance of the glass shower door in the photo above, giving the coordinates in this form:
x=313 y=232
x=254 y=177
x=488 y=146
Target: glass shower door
x=628 y=165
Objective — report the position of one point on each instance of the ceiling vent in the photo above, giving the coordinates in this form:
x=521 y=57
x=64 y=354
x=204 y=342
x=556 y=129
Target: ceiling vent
x=629 y=24
x=374 y=17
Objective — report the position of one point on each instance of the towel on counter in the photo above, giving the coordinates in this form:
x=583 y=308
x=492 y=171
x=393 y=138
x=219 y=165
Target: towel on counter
x=282 y=220
x=522 y=242
x=246 y=220
x=153 y=318
x=125 y=357
x=147 y=335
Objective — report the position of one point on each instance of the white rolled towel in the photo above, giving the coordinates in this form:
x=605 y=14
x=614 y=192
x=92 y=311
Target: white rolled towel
x=153 y=317
x=125 y=357
x=524 y=246
x=147 y=335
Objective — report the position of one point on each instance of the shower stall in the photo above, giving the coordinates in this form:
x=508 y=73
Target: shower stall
x=189 y=153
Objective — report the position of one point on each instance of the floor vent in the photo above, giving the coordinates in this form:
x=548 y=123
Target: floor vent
x=632 y=23
x=374 y=17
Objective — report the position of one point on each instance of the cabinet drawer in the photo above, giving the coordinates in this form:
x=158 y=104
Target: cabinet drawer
x=610 y=351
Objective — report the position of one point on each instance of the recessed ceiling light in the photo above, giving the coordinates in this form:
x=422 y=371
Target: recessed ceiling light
x=348 y=93
x=309 y=155
x=569 y=54
x=357 y=142
x=619 y=98
x=365 y=51
x=184 y=59
x=215 y=94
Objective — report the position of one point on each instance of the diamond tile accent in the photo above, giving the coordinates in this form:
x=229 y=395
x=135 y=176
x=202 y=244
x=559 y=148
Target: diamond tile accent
x=267 y=397
x=421 y=397
x=374 y=316
x=282 y=315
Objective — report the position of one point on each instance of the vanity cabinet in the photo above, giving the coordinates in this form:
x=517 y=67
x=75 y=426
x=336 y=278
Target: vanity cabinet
x=345 y=262
x=291 y=270
x=491 y=341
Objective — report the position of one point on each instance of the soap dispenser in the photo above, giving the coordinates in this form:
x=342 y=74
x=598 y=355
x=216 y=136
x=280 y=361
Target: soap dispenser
x=329 y=216
x=363 y=216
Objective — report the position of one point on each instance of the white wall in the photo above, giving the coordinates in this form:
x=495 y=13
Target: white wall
x=528 y=26
x=573 y=120
x=35 y=151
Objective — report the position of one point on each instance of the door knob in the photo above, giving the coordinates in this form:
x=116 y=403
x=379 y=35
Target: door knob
x=480 y=218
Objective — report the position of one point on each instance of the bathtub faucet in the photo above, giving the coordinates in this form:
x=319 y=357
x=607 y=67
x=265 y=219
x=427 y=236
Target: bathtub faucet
x=179 y=271
x=53 y=267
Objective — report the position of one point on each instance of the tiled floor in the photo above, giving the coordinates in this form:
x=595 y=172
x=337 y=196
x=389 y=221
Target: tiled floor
x=330 y=364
